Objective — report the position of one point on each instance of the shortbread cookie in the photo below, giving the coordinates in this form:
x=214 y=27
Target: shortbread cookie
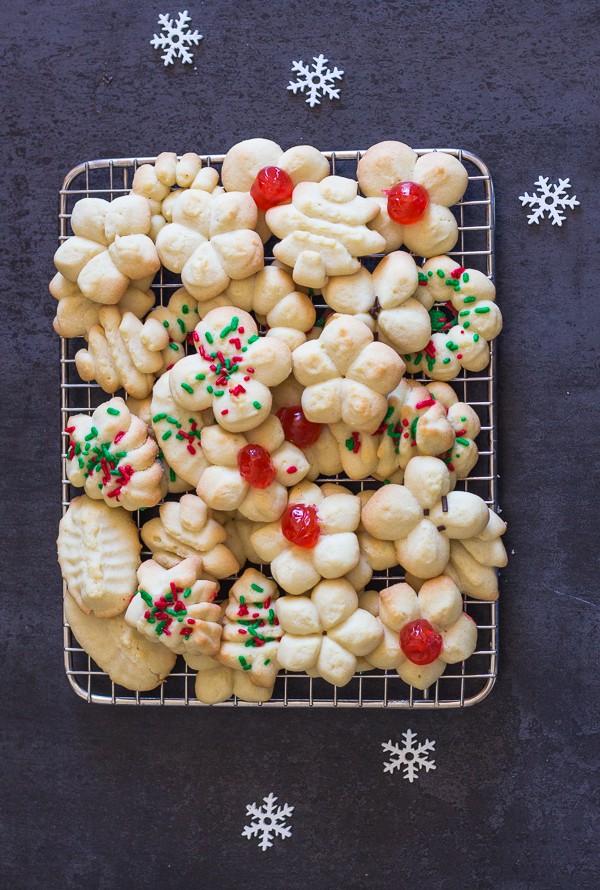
x=76 y=314
x=441 y=181
x=315 y=538
x=178 y=432
x=179 y=316
x=175 y=608
x=110 y=249
x=155 y=181
x=324 y=230
x=422 y=632
x=385 y=301
x=251 y=630
x=187 y=528
x=142 y=408
x=111 y=455
x=99 y=554
x=129 y=659
x=216 y=683
x=243 y=162
x=315 y=439
x=325 y=632
x=123 y=352
x=463 y=326
x=422 y=517
x=251 y=472
x=347 y=375
x=211 y=240
x=232 y=371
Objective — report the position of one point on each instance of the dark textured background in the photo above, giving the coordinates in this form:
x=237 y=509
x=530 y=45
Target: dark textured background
x=101 y=797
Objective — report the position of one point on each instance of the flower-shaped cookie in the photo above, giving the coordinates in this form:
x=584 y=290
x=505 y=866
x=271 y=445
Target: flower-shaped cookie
x=245 y=159
x=347 y=375
x=385 y=301
x=315 y=538
x=123 y=352
x=110 y=248
x=211 y=240
x=417 y=521
x=441 y=181
x=186 y=528
x=324 y=230
x=112 y=456
x=325 y=632
x=99 y=554
x=232 y=371
x=463 y=326
x=250 y=473
x=175 y=608
x=251 y=630
x=422 y=633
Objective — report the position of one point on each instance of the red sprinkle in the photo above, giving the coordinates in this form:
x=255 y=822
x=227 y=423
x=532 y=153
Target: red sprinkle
x=191 y=621
x=191 y=448
x=237 y=390
x=459 y=355
x=69 y=429
x=250 y=370
x=119 y=436
x=456 y=273
x=425 y=403
x=430 y=349
x=291 y=470
x=241 y=630
x=196 y=336
x=224 y=411
x=241 y=330
x=236 y=342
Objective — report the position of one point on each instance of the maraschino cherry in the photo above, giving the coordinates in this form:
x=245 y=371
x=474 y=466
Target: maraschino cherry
x=407 y=202
x=300 y=525
x=255 y=466
x=272 y=186
x=298 y=430
x=420 y=642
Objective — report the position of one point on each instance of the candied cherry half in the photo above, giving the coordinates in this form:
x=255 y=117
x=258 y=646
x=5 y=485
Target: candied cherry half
x=255 y=466
x=407 y=202
x=298 y=430
x=300 y=525
x=272 y=186
x=420 y=642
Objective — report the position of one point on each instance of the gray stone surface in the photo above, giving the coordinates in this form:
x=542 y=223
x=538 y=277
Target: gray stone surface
x=123 y=798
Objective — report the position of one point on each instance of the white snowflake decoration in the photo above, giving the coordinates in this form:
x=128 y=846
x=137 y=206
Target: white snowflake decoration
x=176 y=38
x=549 y=198
x=268 y=820
x=316 y=79
x=409 y=756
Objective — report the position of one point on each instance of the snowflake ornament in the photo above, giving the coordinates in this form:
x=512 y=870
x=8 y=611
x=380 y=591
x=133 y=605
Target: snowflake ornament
x=268 y=820
x=550 y=199
x=316 y=79
x=411 y=757
x=176 y=38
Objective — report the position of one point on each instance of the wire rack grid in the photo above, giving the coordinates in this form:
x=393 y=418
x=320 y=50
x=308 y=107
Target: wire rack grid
x=461 y=685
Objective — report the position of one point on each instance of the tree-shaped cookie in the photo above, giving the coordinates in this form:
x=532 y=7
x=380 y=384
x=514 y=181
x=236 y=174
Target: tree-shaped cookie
x=251 y=630
x=179 y=316
x=347 y=375
x=110 y=248
x=315 y=538
x=419 y=522
x=99 y=554
x=187 y=528
x=324 y=230
x=111 y=455
x=325 y=632
x=463 y=326
x=422 y=632
x=175 y=608
x=232 y=371
x=388 y=301
x=252 y=472
x=415 y=194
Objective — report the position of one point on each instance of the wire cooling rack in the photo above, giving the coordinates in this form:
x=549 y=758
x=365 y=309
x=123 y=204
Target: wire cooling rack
x=462 y=684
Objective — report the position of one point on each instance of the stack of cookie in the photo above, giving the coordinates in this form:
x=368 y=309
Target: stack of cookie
x=255 y=432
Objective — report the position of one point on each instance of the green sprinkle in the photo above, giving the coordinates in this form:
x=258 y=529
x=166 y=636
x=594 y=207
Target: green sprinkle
x=257 y=405
x=430 y=274
x=407 y=356
x=450 y=281
x=187 y=592
x=481 y=310
x=114 y=411
x=242 y=601
x=158 y=417
x=451 y=346
x=475 y=338
x=218 y=393
x=466 y=324
x=165 y=324
x=418 y=358
x=120 y=454
x=160 y=627
x=180 y=619
x=464 y=312
x=465 y=277
x=271 y=616
x=247 y=667
x=242 y=660
x=267 y=661
x=181 y=325
x=413 y=428
x=81 y=463
x=187 y=388
x=166 y=435
x=441 y=273
x=174 y=421
x=209 y=337
x=253 y=338
x=446 y=361
x=209 y=389
x=469 y=299
x=464 y=442
x=174 y=347
x=200 y=376
x=146 y=597
x=257 y=588
x=463 y=419
x=386 y=481
x=349 y=443
x=185 y=309
x=234 y=369
x=244 y=349
x=172 y=475
x=422 y=277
